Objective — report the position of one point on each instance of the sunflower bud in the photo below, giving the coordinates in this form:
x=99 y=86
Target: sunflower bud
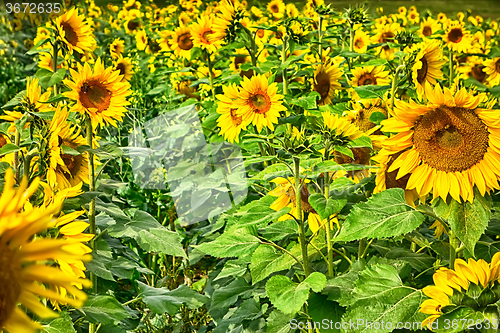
x=356 y=15
x=295 y=141
x=486 y=297
x=404 y=39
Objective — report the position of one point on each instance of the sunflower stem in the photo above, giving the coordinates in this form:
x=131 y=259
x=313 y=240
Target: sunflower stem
x=261 y=147
x=393 y=89
x=320 y=38
x=329 y=244
x=27 y=162
x=92 y=229
x=211 y=75
x=453 y=248
x=451 y=68
x=283 y=60
x=298 y=203
x=17 y=141
x=54 y=64
x=361 y=248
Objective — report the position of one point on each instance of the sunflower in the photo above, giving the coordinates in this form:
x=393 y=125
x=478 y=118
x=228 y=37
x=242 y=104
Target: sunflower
x=74 y=31
x=45 y=61
x=259 y=103
x=340 y=126
x=413 y=17
x=457 y=37
x=201 y=32
x=141 y=40
x=326 y=80
x=276 y=8
x=34 y=98
x=492 y=69
x=385 y=34
x=229 y=121
x=473 y=67
x=26 y=271
x=99 y=92
x=428 y=64
x=124 y=65
x=469 y=285
x=224 y=22
x=116 y=48
x=182 y=42
x=361 y=41
x=369 y=75
x=241 y=57
x=448 y=145
x=428 y=27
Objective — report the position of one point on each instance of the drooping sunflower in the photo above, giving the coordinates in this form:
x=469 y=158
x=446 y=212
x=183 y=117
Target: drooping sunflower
x=259 y=103
x=74 y=31
x=326 y=80
x=223 y=25
x=99 y=92
x=468 y=285
x=182 y=42
x=116 y=48
x=369 y=75
x=386 y=33
x=34 y=97
x=492 y=69
x=201 y=32
x=428 y=64
x=124 y=65
x=276 y=8
x=428 y=27
x=361 y=41
x=457 y=37
x=448 y=145
x=229 y=121
x=26 y=268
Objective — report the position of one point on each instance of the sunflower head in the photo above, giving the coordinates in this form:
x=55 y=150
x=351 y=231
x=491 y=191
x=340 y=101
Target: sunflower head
x=356 y=15
x=74 y=31
x=326 y=80
x=339 y=129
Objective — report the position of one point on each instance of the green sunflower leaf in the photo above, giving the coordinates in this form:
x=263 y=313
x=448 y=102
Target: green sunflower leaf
x=326 y=207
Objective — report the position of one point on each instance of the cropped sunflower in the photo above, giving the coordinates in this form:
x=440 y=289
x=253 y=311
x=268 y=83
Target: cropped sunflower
x=74 y=31
x=386 y=34
x=369 y=75
x=201 y=32
x=117 y=48
x=276 y=8
x=326 y=80
x=471 y=285
x=361 y=41
x=448 y=145
x=34 y=97
x=224 y=21
x=492 y=69
x=428 y=27
x=428 y=64
x=182 y=42
x=340 y=126
x=457 y=37
x=259 y=103
x=141 y=40
x=99 y=92
x=45 y=61
x=473 y=67
x=26 y=260
x=124 y=65
x=229 y=121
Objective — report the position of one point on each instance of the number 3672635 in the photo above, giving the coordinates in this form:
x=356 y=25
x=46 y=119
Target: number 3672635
x=32 y=8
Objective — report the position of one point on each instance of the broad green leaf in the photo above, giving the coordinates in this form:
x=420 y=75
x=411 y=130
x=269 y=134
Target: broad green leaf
x=162 y=300
x=419 y=261
x=288 y=296
x=278 y=322
x=234 y=244
x=15 y=101
x=459 y=320
x=467 y=220
x=267 y=260
x=307 y=101
x=279 y=230
x=161 y=240
x=105 y=152
x=324 y=312
x=259 y=160
x=57 y=77
x=486 y=250
x=326 y=207
x=232 y=268
x=100 y=266
x=259 y=212
x=272 y=171
x=103 y=309
x=344 y=150
x=63 y=324
x=9 y=148
x=322 y=167
x=385 y=214
x=226 y=296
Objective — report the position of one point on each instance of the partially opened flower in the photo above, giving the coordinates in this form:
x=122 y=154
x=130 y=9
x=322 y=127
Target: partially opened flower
x=428 y=64
x=229 y=121
x=492 y=69
x=74 y=31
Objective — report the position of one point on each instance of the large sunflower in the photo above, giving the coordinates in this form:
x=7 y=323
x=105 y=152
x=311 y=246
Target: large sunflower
x=326 y=80
x=428 y=64
x=229 y=121
x=259 y=103
x=492 y=69
x=99 y=92
x=469 y=285
x=201 y=32
x=25 y=260
x=448 y=145
x=74 y=31
x=457 y=37
x=182 y=42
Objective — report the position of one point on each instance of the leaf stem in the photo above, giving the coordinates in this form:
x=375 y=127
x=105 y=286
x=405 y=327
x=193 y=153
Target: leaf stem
x=298 y=203
x=393 y=88
x=329 y=244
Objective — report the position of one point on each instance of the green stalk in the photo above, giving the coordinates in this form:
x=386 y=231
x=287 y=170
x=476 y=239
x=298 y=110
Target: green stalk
x=361 y=248
x=283 y=60
x=17 y=141
x=298 y=203
x=453 y=248
x=211 y=75
x=451 y=68
x=393 y=89
x=54 y=64
x=329 y=244
x=92 y=229
x=351 y=38
x=320 y=37
x=27 y=162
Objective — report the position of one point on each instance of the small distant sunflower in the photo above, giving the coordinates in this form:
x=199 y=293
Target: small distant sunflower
x=428 y=27
x=201 y=32
x=361 y=41
x=74 y=31
x=369 y=75
x=473 y=67
x=428 y=64
x=182 y=42
x=259 y=103
x=116 y=48
x=124 y=65
x=449 y=145
x=457 y=37
x=141 y=40
x=229 y=121
x=26 y=262
x=326 y=81
x=386 y=33
x=413 y=17
x=99 y=92
x=492 y=69
x=276 y=8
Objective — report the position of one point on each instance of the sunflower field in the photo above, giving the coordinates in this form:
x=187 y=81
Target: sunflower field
x=224 y=166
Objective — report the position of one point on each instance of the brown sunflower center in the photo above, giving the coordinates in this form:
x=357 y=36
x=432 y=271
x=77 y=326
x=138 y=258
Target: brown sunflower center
x=304 y=198
x=427 y=31
x=205 y=36
x=477 y=73
x=185 y=41
x=390 y=177
x=275 y=8
x=69 y=161
x=260 y=102
x=237 y=120
x=387 y=37
x=422 y=72
x=451 y=138
x=367 y=79
x=70 y=34
x=3 y=141
x=412 y=16
x=132 y=25
x=359 y=43
x=361 y=156
x=323 y=85
x=261 y=33
x=455 y=35
x=121 y=67
x=94 y=94
x=10 y=278
x=497 y=66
